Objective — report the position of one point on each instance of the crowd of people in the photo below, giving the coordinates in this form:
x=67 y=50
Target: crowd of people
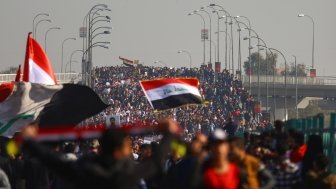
x=191 y=147
x=225 y=98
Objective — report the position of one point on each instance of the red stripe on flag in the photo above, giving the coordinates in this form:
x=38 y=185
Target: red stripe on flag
x=35 y=52
x=6 y=90
x=152 y=84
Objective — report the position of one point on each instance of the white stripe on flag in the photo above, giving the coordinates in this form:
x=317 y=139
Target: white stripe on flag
x=171 y=89
x=38 y=75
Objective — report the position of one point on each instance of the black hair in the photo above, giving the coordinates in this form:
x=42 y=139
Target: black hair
x=237 y=142
x=111 y=140
x=298 y=137
x=279 y=124
x=69 y=148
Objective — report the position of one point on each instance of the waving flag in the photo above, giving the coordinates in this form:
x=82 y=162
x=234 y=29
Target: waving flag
x=57 y=105
x=170 y=93
x=128 y=62
x=37 y=67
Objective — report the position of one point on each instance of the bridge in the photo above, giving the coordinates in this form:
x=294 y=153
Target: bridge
x=307 y=89
x=61 y=77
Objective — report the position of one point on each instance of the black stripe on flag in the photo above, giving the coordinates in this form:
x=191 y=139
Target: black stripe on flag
x=175 y=101
x=71 y=105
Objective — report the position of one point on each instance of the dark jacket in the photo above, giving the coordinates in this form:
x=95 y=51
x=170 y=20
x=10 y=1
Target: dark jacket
x=102 y=171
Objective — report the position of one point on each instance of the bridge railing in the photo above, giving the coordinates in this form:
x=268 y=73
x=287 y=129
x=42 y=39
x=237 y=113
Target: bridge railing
x=61 y=77
x=319 y=126
x=291 y=80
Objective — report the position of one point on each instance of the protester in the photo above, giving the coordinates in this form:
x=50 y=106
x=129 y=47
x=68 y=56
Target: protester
x=253 y=167
x=221 y=173
x=112 y=167
x=318 y=177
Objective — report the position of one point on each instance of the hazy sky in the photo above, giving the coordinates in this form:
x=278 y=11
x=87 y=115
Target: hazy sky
x=151 y=30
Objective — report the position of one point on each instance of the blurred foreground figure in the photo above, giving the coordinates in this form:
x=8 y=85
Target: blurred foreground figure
x=4 y=182
x=221 y=173
x=114 y=167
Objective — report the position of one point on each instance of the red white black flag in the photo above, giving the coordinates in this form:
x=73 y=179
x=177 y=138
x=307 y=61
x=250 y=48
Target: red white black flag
x=170 y=93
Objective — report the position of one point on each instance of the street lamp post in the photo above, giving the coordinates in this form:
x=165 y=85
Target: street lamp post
x=46 y=35
x=73 y=52
x=258 y=59
x=187 y=52
x=218 y=19
x=296 y=89
x=213 y=44
x=43 y=20
x=250 y=60
x=194 y=13
x=313 y=47
x=283 y=56
x=40 y=14
x=69 y=38
x=226 y=30
x=210 y=34
x=66 y=65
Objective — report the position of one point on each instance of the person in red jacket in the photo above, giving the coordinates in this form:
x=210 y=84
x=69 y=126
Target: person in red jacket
x=221 y=173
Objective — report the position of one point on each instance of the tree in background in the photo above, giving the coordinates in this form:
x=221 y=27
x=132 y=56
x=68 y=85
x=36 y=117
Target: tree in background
x=10 y=70
x=271 y=61
x=301 y=70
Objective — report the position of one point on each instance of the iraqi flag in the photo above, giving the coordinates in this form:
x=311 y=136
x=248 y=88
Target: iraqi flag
x=37 y=67
x=170 y=93
x=127 y=62
x=50 y=105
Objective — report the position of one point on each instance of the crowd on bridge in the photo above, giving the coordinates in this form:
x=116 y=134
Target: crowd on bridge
x=191 y=147
x=225 y=98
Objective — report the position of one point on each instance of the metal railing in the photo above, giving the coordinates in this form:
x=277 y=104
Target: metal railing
x=61 y=77
x=319 y=126
x=291 y=80
x=75 y=77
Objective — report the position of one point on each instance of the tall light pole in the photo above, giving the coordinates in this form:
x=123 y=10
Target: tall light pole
x=66 y=65
x=296 y=89
x=210 y=34
x=283 y=56
x=66 y=39
x=40 y=14
x=46 y=35
x=195 y=13
x=258 y=59
x=188 y=53
x=218 y=19
x=250 y=60
x=43 y=20
x=213 y=44
x=73 y=52
x=226 y=30
x=313 y=47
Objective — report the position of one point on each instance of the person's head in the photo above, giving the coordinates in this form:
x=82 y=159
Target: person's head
x=146 y=150
x=198 y=143
x=219 y=145
x=69 y=148
x=279 y=126
x=112 y=121
x=237 y=147
x=116 y=143
x=295 y=139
